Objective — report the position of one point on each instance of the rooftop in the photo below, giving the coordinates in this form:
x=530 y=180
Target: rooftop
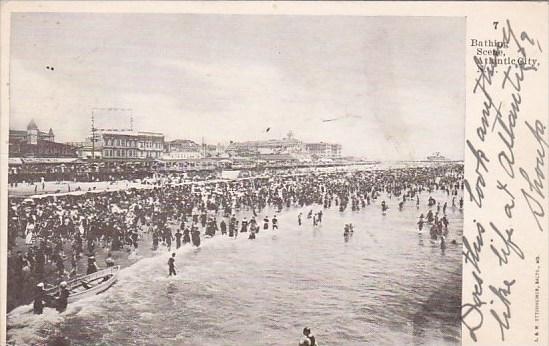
x=128 y=133
x=32 y=125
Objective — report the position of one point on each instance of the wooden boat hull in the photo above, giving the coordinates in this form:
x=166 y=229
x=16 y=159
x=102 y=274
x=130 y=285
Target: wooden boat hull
x=89 y=285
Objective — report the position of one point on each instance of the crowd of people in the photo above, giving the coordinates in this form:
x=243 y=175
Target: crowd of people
x=48 y=237
x=77 y=171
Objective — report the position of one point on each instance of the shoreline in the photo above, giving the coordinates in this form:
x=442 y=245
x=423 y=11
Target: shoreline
x=147 y=255
x=124 y=257
x=17 y=296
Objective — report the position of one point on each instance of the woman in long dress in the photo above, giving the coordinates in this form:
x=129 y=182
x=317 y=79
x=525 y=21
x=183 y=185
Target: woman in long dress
x=29 y=232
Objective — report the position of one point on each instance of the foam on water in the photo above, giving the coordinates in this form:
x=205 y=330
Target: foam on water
x=26 y=328
x=238 y=291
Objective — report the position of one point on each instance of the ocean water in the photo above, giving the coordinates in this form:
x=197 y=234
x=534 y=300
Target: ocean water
x=388 y=285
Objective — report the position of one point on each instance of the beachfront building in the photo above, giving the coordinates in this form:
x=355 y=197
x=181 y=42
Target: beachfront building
x=85 y=149
x=437 y=157
x=128 y=144
x=87 y=152
x=288 y=145
x=182 y=149
x=214 y=150
x=32 y=134
x=35 y=143
x=323 y=150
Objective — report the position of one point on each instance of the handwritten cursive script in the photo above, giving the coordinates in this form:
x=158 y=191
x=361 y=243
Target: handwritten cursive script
x=500 y=90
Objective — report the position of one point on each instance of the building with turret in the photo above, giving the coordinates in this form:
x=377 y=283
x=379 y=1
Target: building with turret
x=35 y=143
x=32 y=134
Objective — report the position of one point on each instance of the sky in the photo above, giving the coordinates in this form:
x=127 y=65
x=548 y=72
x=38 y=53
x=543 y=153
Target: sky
x=393 y=87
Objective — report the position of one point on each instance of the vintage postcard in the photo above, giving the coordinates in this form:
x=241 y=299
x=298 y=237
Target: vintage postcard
x=274 y=173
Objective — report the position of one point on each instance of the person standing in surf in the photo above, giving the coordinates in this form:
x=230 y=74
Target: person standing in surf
x=186 y=235
x=171 y=265
x=178 y=236
x=63 y=299
x=92 y=265
x=253 y=230
x=109 y=261
x=420 y=223
x=223 y=227
x=309 y=339
x=195 y=236
x=266 y=223
x=383 y=207
x=168 y=237
x=39 y=298
x=275 y=223
x=231 y=228
x=244 y=226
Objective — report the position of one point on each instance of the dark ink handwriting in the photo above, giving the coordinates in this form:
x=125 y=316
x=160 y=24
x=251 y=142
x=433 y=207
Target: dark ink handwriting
x=481 y=159
x=510 y=246
x=535 y=184
x=508 y=207
x=502 y=294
